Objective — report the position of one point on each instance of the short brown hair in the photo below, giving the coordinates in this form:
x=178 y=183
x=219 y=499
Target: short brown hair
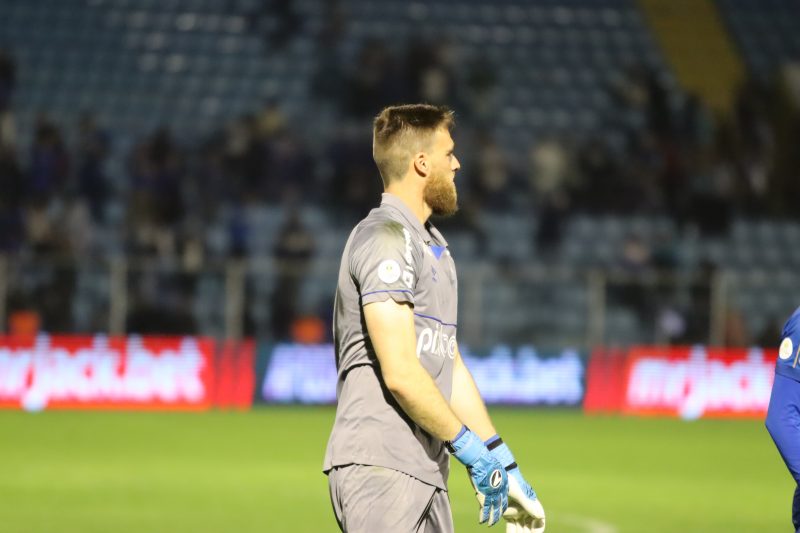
x=402 y=130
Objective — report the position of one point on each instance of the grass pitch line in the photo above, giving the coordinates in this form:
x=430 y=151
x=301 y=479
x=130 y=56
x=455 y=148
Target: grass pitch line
x=587 y=524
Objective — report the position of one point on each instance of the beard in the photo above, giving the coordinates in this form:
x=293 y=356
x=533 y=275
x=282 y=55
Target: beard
x=440 y=194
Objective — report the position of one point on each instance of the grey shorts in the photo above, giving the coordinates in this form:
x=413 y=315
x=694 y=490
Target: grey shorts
x=372 y=499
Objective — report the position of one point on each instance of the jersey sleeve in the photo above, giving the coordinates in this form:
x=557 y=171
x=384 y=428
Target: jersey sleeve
x=384 y=264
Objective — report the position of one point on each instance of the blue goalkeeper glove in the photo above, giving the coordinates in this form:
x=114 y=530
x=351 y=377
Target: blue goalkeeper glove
x=486 y=473
x=525 y=512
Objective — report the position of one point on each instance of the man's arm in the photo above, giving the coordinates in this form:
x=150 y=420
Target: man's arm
x=524 y=508
x=391 y=330
x=467 y=403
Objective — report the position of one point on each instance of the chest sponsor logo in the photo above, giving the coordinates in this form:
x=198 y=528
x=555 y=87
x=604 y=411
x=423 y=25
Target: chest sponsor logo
x=436 y=343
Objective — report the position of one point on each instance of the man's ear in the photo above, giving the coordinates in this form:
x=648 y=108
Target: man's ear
x=421 y=164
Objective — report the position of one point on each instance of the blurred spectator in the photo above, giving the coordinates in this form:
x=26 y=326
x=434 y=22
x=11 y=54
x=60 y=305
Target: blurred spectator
x=770 y=335
x=491 y=179
x=156 y=204
x=753 y=146
x=8 y=80
x=292 y=254
x=244 y=156
x=327 y=81
x=698 y=316
x=161 y=304
x=41 y=231
x=550 y=170
x=736 y=330
x=49 y=165
x=600 y=173
x=665 y=253
x=696 y=125
x=430 y=72
x=550 y=179
x=290 y=170
x=481 y=81
x=674 y=180
x=277 y=20
x=670 y=325
x=12 y=233
x=238 y=231
x=353 y=181
x=93 y=148
x=711 y=189
x=76 y=223
x=785 y=122
x=633 y=290
x=373 y=82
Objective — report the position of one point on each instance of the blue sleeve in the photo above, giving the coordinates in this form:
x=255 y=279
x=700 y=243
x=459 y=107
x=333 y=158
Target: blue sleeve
x=783 y=421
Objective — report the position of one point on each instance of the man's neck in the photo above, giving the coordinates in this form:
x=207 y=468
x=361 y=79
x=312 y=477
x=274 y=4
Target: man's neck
x=412 y=200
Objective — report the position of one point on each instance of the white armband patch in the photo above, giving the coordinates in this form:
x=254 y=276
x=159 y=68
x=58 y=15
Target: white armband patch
x=389 y=271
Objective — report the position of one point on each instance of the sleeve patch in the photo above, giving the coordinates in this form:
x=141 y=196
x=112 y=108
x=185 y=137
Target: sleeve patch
x=786 y=349
x=389 y=271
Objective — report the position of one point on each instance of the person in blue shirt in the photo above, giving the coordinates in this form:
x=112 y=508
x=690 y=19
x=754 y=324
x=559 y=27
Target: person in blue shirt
x=783 y=415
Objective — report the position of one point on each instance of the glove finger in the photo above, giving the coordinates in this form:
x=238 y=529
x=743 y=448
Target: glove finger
x=517 y=494
x=513 y=511
x=512 y=526
x=483 y=513
x=481 y=503
x=494 y=516
x=538 y=526
x=528 y=524
x=504 y=502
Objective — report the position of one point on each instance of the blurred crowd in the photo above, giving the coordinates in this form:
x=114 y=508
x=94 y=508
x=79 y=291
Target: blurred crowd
x=657 y=150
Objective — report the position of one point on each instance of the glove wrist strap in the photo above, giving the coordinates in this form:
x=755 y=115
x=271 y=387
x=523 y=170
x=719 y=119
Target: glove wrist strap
x=466 y=447
x=493 y=442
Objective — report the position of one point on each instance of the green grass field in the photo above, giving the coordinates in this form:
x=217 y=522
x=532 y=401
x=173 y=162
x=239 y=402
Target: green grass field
x=100 y=472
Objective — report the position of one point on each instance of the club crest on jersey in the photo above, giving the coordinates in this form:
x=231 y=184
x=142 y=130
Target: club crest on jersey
x=389 y=271
x=786 y=349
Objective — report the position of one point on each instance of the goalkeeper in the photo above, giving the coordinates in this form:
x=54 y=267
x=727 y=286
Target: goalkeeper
x=404 y=396
x=783 y=415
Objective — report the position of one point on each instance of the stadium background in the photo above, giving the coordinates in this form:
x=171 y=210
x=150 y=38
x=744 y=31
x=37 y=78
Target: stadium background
x=178 y=179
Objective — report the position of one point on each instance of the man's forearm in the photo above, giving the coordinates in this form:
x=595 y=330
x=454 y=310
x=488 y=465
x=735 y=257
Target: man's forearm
x=421 y=400
x=391 y=330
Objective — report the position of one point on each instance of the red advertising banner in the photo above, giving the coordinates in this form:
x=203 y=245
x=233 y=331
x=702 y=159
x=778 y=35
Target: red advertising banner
x=605 y=381
x=99 y=372
x=694 y=382
x=236 y=376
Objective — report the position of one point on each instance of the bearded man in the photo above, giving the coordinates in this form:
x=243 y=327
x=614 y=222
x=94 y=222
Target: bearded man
x=405 y=399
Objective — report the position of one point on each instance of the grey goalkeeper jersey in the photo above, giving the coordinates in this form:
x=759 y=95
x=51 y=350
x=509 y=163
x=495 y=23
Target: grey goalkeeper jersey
x=391 y=255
